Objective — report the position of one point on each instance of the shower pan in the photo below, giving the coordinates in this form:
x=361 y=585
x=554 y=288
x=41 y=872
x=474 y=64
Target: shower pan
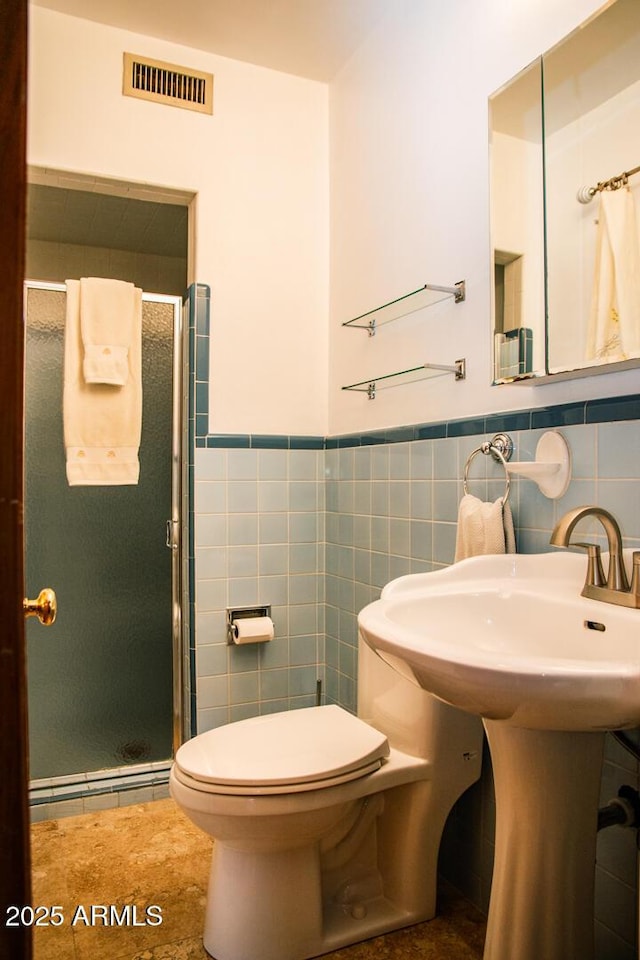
x=104 y=680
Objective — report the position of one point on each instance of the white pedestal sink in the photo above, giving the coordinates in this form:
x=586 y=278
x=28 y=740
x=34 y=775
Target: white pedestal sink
x=510 y=638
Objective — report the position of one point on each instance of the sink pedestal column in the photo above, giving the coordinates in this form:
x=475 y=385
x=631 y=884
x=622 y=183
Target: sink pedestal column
x=547 y=794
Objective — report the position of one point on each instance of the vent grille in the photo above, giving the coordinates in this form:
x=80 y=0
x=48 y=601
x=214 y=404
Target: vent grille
x=167 y=83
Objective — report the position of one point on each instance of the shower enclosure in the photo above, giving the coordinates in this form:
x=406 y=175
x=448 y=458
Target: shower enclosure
x=103 y=691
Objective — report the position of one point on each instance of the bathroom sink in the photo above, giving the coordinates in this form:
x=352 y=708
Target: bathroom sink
x=510 y=638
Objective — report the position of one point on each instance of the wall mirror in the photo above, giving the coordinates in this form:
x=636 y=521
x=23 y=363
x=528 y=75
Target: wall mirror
x=565 y=206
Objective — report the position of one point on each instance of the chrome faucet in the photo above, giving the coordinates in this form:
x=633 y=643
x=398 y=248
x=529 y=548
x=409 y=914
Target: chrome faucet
x=615 y=587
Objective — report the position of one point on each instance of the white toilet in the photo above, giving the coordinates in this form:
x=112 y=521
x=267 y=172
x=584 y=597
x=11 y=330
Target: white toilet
x=327 y=827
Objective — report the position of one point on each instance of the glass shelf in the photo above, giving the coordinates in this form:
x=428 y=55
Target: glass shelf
x=425 y=371
x=425 y=296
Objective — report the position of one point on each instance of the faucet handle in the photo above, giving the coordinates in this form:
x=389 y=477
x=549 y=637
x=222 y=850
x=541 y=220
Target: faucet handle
x=635 y=574
x=595 y=572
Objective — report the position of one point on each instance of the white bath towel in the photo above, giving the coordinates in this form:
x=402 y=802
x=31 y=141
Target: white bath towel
x=107 y=323
x=614 y=322
x=483 y=528
x=102 y=423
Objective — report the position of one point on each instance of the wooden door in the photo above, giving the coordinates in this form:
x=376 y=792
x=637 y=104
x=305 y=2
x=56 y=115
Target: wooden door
x=15 y=888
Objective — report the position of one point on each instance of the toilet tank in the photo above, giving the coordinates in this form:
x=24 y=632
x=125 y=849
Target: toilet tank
x=413 y=720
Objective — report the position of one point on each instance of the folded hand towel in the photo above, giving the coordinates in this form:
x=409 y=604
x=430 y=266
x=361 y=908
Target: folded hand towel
x=102 y=423
x=483 y=528
x=107 y=321
x=509 y=532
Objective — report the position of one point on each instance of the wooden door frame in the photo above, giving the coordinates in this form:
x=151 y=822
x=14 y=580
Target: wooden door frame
x=15 y=884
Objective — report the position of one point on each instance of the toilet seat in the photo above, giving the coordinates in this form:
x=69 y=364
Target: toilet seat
x=288 y=752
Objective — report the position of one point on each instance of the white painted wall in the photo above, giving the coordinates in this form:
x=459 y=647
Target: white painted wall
x=410 y=204
x=407 y=149
x=259 y=168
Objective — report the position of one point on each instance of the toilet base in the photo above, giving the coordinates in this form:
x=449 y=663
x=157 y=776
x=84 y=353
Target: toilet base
x=266 y=906
x=269 y=907
x=318 y=896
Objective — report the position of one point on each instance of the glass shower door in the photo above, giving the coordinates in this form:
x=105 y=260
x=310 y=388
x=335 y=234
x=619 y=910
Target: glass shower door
x=100 y=678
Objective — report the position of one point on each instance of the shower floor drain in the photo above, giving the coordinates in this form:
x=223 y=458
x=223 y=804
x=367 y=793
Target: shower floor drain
x=133 y=751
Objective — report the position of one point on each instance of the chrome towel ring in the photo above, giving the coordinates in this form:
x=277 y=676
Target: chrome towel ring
x=500 y=448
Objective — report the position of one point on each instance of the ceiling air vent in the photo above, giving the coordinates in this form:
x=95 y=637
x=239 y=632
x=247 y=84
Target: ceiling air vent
x=167 y=83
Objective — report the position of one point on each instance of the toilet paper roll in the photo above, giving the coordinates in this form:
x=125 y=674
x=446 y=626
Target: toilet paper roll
x=252 y=630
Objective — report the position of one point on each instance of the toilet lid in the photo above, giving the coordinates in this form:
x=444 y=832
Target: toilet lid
x=283 y=749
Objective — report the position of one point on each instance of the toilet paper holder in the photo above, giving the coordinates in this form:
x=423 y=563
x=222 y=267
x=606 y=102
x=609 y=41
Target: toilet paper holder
x=241 y=613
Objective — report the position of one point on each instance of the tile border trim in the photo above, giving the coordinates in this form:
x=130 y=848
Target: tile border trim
x=98 y=783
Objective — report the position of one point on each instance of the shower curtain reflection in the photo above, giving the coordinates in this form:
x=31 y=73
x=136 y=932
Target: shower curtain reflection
x=100 y=679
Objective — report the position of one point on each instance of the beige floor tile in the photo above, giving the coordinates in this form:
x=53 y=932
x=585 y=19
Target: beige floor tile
x=190 y=949
x=128 y=851
x=49 y=944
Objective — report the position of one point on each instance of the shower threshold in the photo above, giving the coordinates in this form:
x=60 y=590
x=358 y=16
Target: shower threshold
x=98 y=789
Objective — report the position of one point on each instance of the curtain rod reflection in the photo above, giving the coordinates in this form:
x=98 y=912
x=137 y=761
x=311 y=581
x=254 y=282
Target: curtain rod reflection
x=586 y=194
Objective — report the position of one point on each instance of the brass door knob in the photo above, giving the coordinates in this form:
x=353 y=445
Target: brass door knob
x=44 y=608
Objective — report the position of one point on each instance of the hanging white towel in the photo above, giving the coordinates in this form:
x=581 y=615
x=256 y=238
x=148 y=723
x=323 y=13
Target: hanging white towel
x=614 y=322
x=102 y=423
x=107 y=322
x=483 y=528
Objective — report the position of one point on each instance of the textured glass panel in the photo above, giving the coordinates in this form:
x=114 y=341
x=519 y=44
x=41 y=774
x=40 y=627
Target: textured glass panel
x=100 y=678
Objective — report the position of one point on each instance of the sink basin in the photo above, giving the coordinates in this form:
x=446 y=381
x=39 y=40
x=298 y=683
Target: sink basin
x=510 y=638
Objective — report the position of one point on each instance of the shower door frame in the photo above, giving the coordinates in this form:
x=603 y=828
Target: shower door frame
x=174 y=522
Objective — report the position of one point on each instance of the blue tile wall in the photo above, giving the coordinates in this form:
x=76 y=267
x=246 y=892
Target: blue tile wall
x=259 y=540
x=316 y=526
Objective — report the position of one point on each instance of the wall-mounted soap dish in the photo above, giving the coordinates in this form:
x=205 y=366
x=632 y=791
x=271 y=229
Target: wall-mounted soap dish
x=551 y=469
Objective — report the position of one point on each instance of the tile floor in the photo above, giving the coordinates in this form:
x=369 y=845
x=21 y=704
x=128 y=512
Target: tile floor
x=150 y=854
